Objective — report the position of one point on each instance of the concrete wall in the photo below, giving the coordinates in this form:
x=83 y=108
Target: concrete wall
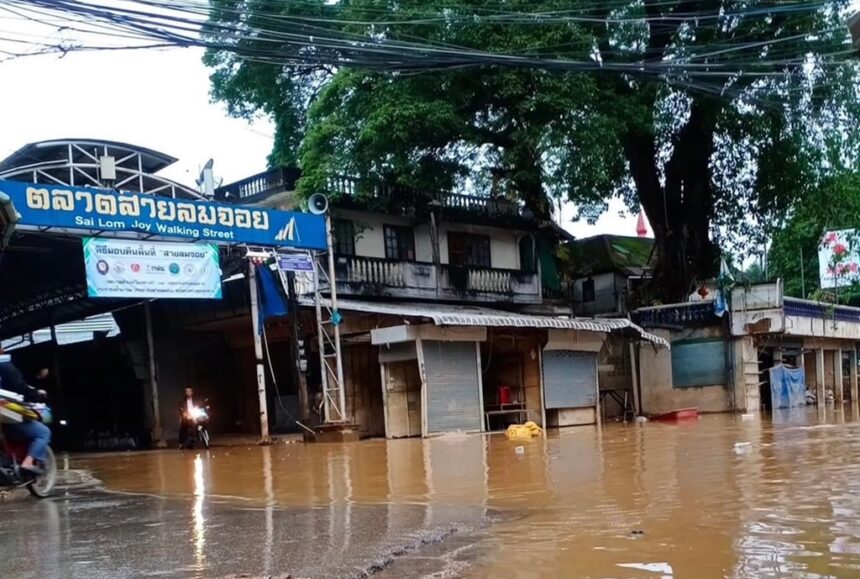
x=608 y=288
x=370 y=238
x=658 y=394
x=821 y=328
x=370 y=231
x=574 y=417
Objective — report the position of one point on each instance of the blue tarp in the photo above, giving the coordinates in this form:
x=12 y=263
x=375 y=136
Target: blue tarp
x=271 y=302
x=787 y=387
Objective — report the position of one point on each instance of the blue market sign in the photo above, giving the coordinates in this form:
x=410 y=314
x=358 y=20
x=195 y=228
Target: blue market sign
x=98 y=211
x=295 y=262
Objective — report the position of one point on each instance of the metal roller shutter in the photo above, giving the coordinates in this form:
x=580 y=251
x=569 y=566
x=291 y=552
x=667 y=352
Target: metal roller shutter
x=453 y=399
x=569 y=379
x=699 y=363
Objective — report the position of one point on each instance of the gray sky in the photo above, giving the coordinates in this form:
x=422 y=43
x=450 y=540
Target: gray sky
x=157 y=99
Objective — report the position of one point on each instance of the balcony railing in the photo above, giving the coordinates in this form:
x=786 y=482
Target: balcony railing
x=396 y=197
x=365 y=276
x=684 y=314
x=260 y=185
x=810 y=309
x=349 y=187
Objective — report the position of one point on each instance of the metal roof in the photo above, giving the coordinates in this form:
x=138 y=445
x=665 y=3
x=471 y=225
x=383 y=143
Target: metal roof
x=459 y=315
x=70 y=333
x=42 y=281
x=56 y=149
x=75 y=162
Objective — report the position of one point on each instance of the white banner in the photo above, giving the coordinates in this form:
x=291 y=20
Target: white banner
x=118 y=268
x=838 y=259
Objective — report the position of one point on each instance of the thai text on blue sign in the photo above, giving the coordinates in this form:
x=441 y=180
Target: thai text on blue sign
x=100 y=210
x=124 y=268
x=295 y=262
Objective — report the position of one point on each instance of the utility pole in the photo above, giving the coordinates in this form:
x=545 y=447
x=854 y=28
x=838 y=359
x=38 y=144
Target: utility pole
x=258 y=355
x=298 y=346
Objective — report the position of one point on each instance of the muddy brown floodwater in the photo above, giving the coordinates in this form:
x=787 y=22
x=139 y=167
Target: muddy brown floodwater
x=726 y=496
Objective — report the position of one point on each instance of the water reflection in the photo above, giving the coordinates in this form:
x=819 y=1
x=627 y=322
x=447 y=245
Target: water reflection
x=197 y=513
x=268 y=488
x=786 y=501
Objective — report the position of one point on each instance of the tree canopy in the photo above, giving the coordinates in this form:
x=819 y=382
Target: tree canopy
x=793 y=256
x=715 y=116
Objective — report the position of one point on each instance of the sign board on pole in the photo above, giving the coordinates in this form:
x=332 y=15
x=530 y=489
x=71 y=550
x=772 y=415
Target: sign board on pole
x=839 y=259
x=119 y=268
x=295 y=262
x=99 y=211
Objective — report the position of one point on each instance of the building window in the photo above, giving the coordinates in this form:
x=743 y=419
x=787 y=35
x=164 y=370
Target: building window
x=344 y=237
x=468 y=249
x=527 y=254
x=399 y=243
x=588 y=290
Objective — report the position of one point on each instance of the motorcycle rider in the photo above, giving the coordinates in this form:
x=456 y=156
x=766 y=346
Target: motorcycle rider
x=186 y=423
x=33 y=433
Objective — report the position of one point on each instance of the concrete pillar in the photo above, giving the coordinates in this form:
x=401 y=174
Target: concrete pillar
x=157 y=433
x=852 y=373
x=819 y=377
x=838 y=391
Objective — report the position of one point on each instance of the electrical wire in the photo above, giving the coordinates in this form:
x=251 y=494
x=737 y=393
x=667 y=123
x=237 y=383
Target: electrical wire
x=186 y=23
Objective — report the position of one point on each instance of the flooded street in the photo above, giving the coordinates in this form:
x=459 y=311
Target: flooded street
x=721 y=497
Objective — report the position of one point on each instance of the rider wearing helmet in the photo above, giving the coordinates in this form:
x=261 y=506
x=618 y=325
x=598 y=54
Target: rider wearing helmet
x=33 y=433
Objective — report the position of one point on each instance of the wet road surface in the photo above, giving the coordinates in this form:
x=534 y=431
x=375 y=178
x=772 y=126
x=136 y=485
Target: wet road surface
x=726 y=496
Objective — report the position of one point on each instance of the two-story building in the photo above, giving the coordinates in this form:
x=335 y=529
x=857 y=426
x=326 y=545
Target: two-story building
x=443 y=296
x=607 y=272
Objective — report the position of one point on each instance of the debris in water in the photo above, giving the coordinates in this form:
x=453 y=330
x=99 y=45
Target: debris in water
x=637 y=532
x=663 y=568
x=641 y=419
x=742 y=447
x=523 y=431
x=520 y=450
x=748 y=416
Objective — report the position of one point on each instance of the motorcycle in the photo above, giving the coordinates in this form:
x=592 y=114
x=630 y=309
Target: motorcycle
x=198 y=418
x=14 y=410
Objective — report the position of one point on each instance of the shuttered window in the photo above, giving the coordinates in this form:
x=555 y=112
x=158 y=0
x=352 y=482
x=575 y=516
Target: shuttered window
x=698 y=363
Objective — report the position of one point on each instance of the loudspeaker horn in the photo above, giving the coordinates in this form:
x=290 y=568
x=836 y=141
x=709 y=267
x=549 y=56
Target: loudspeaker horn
x=318 y=204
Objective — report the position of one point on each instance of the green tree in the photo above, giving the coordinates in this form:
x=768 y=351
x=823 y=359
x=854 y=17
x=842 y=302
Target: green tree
x=725 y=113
x=833 y=205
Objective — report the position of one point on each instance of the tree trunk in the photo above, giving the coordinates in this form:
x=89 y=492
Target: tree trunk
x=527 y=179
x=681 y=209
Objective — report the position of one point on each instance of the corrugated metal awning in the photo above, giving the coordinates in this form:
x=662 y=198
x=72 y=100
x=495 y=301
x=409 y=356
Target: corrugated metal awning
x=457 y=315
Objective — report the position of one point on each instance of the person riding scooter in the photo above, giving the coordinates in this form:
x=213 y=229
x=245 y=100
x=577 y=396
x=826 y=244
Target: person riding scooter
x=187 y=417
x=33 y=433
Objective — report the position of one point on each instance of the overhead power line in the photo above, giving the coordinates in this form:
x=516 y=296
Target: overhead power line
x=394 y=43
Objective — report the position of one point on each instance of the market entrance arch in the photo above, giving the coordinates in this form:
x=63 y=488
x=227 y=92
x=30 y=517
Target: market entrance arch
x=56 y=193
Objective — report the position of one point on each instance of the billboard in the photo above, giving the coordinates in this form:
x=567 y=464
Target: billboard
x=119 y=268
x=45 y=206
x=839 y=259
